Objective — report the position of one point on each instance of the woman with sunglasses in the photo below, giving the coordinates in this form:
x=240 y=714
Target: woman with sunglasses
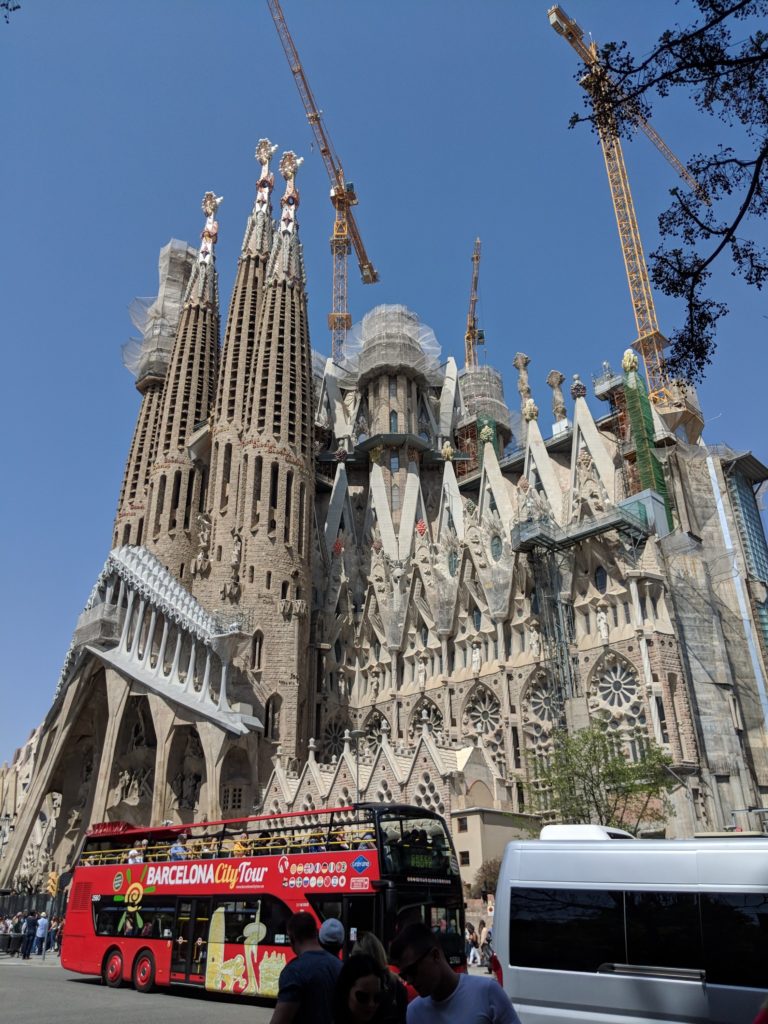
x=359 y=992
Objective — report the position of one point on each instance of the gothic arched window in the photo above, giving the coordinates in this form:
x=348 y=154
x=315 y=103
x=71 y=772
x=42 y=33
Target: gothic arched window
x=257 y=644
x=393 y=422
x=477 y=617
x=601 y=579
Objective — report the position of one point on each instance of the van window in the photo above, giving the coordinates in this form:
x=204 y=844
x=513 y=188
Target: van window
x=736 y=938
x=663 y=929
x=725 y=934
x=566 y=929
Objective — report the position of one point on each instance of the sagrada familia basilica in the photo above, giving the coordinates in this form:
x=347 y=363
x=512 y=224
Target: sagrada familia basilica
x=369 y=577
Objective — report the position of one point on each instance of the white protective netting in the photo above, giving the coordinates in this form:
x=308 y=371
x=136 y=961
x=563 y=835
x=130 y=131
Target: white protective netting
x=391 y=338
x=157 y=318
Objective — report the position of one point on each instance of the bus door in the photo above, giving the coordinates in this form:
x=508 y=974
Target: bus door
x=190 y=945
x=358 y=914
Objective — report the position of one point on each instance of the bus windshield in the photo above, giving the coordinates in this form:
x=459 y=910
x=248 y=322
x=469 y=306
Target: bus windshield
x=416 y=847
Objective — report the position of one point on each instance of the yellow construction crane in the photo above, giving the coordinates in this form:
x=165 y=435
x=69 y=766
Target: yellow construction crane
x=650 y=342
x=345 y=231
x=473 y=336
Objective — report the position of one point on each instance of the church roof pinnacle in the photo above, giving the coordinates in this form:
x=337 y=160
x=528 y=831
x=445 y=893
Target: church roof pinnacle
x=259 y=230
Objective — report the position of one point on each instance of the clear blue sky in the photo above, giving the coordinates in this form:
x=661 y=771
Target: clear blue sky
x=451 y=119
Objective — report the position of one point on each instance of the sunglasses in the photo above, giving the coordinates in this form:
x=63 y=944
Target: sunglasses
x=407 y=972
x=364 y=998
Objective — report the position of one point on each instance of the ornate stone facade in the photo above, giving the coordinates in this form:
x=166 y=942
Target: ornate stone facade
x=350 y=579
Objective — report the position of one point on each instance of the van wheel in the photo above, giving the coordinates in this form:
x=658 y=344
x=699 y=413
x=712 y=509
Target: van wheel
x=144 y=972
x=112 y=971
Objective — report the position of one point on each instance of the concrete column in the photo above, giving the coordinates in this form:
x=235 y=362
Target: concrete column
x=189 y=685
x=127 y=621
x=139 y=627
x=163 y=719
x=205 y=689
x=213 y=740
x=150 y=637
x=161 y=654
x=118 y=689
x=177 y=655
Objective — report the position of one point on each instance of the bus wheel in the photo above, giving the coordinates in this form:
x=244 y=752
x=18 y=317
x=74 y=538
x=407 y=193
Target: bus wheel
x=144 y=972
x=112 y=971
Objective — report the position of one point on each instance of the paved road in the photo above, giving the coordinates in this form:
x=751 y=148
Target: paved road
x=32 y=991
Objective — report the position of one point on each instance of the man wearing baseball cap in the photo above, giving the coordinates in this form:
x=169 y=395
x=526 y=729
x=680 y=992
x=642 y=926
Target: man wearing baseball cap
x=332 y=935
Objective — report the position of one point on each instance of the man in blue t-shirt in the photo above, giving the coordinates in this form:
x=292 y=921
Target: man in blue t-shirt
x=305 y=989
x=446 y=997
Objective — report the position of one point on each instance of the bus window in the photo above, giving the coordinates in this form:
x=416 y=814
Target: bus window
x=264 y=920
x=444 y=920
x=154 y=918
x=415 y=844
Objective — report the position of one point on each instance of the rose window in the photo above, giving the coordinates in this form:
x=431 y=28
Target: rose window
x=484 y=712
x=616 y=686
x=333 y=738
x=426 y=713
x=373 y=733
x=541 y=700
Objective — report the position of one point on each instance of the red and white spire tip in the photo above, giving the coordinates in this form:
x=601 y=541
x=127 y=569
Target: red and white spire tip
x=210 y=232
x=264 y=153
x=289 y=165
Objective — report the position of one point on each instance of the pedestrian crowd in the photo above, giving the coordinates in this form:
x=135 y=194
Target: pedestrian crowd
x=31 y=934
x=421 y=988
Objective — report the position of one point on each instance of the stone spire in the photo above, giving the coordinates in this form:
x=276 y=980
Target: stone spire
x=148 y=360
x=245 y=307
x=224 y=513
x=177 y=487
x=277 y=482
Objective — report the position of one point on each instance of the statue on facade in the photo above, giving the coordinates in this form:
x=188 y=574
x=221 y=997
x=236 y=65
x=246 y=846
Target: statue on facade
x=421 y=674
x=202 y=560
x=603 y=627
x=534 y=640
x=476 y=657
x=590 y=493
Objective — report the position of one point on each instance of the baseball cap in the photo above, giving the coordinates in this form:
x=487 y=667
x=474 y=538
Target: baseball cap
x=332 y=932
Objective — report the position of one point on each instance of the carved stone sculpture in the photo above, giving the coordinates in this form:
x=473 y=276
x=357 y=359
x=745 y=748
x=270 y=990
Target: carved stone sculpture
x=555 y=380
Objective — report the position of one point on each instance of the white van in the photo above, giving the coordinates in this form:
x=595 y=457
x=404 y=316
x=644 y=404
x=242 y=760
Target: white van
x=625 y=932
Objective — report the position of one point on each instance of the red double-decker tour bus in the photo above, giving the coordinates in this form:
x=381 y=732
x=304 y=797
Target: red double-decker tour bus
x=208 y=904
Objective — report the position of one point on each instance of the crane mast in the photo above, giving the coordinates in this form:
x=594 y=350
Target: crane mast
x=473 y=337
x=346 y=235
x=650 y=342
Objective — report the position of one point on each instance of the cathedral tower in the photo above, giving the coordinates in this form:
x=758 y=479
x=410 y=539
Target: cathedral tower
x=228 y=467
x=148 y=360
x=279 y=485
x=177 y=489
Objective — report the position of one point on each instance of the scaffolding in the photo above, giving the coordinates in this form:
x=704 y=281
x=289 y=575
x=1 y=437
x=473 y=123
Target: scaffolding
x=649 y=470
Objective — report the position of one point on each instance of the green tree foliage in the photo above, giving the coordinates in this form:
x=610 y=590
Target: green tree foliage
x=486 y=877
x=591 y=780
x=720 y=60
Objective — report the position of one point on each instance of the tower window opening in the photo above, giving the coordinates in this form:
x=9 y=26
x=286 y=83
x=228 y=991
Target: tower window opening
x=140 y=531
x=257 y=645
x=126 y=533
x=392 y=422
x=268 y=581
x=477 y=617
x=273 y=478
x=250 y=574
x=256 y=489
x=188 y=499
x=175 y=494
x=225 y=474
x=300 y=543
x=288 y=500
x=218 y=552
x=203 y=490
x=395 y=497
x=394 y=460
x=284 y=590
x=160 y=503
x=601 y=579
x=393 y=387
